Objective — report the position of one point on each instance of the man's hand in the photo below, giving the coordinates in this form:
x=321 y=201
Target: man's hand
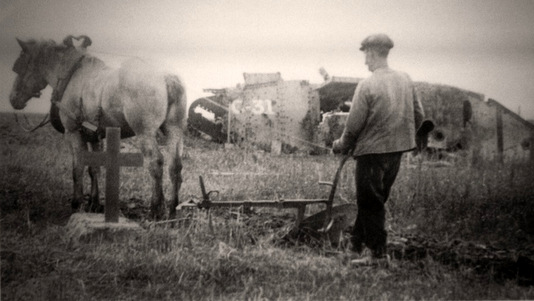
x=337 y=147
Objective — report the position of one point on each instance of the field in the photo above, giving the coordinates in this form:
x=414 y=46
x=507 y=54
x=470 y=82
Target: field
x=238 y=255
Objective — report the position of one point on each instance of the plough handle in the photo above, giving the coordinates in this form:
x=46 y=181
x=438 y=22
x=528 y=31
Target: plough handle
x=206 y=202
x=337 y=176
x=205 y=195
x=328 y=220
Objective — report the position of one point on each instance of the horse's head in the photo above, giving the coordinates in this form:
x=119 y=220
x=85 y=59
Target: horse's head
x=30 y=79
x=41 y=63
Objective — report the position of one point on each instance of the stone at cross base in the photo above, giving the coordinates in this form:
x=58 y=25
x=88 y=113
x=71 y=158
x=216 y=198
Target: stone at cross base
x=92 y=228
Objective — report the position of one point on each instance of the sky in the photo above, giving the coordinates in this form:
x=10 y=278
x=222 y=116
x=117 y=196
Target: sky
x=484 y=46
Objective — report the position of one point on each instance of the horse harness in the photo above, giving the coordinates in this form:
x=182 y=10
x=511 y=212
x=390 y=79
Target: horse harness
x=57 y=106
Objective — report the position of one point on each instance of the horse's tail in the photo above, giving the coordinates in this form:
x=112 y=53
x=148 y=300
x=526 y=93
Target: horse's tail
x=176 y=101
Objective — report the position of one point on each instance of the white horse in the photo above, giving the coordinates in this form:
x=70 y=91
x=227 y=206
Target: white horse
x=135 y=97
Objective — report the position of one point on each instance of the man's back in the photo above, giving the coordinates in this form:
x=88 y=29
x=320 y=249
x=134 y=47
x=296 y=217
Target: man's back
x=388 y=97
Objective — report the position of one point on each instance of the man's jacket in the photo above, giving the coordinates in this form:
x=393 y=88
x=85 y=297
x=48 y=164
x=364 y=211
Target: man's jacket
x=384 y=115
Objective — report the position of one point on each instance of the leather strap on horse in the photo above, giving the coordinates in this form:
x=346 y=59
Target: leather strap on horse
x=61 y=85
x=57 y=95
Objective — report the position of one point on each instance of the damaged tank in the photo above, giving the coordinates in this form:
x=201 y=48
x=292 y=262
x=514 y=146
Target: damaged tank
x=286 y=116
x=271 y=113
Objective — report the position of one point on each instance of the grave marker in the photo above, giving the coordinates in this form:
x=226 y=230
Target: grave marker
x=112 y=160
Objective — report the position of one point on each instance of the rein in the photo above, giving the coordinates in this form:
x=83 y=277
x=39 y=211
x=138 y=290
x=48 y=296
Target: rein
x=43 y=122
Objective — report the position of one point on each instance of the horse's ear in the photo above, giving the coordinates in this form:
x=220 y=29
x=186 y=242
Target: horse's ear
x=68 y=41
x=86 y=41
x=22 y=44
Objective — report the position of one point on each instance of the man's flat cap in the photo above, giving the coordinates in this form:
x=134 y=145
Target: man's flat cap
x=377 y=41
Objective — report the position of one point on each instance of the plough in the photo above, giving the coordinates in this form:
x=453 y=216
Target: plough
x=299 y=204
x=329 y=223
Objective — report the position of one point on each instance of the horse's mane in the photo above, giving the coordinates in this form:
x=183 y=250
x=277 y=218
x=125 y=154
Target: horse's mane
x=48 y=47
x=42 y=43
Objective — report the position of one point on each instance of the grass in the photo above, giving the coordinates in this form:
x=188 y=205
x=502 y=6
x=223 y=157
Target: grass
x=238 y=258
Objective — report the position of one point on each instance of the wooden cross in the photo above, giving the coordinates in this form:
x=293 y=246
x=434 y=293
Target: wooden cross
x=112 y=160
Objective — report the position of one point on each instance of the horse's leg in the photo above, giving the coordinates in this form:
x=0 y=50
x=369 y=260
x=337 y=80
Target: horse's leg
x=175 y=150
x=150 y=150
x=77 y=145
x=94 y=200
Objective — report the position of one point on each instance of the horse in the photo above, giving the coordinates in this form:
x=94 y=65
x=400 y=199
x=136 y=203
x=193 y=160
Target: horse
x=136 y=97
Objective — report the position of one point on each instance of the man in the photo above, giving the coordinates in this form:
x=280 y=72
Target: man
x=381 y=125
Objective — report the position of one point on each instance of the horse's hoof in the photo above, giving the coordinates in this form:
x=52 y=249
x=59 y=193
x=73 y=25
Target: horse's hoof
x=157 y=215
x=75 y=205
x=172 y=214
x=97 y=208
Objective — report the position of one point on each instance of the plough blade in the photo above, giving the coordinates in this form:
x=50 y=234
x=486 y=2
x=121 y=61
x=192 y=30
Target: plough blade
x=313 y=227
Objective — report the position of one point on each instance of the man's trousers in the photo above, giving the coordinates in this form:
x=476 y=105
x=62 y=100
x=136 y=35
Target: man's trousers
x=375 y=174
